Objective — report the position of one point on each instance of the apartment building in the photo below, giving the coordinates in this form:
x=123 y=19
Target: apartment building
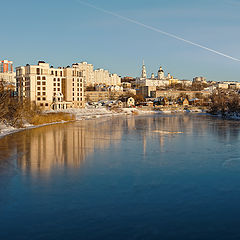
x=88 y=72
x=7 y=75
x=73 y=86
x=99 y=76
x=42 y=83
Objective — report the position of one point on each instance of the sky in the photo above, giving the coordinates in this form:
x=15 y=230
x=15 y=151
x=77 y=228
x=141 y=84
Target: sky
x=62 y=32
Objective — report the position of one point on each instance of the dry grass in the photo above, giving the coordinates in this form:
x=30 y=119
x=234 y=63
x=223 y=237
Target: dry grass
x=41 y=118
x=134 y=112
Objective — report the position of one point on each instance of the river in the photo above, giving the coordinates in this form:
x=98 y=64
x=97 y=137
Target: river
x=134 y=177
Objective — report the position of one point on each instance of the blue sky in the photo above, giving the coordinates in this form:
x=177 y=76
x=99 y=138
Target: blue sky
x=65 y=31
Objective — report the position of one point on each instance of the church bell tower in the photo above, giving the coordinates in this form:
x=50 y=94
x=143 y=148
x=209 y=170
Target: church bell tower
x=144 y=72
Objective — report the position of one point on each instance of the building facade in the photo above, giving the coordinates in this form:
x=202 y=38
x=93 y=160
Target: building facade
x=41 y=83
x=160 y=81
x=99 y=76
x=7 y=75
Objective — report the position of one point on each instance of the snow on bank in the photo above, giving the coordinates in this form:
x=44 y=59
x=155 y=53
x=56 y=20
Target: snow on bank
x=5 y=130
x=81 y=114
x=88 y=113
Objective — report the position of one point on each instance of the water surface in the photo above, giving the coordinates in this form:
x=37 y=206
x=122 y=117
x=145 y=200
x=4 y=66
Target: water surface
x=143 y=177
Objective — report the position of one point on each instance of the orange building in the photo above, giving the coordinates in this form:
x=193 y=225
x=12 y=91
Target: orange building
x=6 y=66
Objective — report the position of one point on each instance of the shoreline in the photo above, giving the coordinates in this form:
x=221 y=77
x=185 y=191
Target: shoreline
x=89 y=114
x=80 y=114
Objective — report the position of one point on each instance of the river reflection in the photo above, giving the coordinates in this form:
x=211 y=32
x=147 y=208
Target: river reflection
x=41 y=149
x=134 y=177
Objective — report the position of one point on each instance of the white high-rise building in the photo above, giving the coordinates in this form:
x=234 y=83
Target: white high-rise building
x=102 y=76
x=88 y=72
x=98 y=76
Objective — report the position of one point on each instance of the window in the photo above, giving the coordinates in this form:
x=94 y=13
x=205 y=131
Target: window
x=38 y=78
x=44 y=88
x=58 y=89
x=73 y=94
x=38 y=83
x=73 y=84
x=44 y=83
x=54 y=84
x=38 y=98
x=54 y=79
x=59 y=79
x=54 y=89
x=43 y=78
x=44 y=99
x=38 y=93
x=44 y=93
x=73 y=98
x=51 y=72
x=38 y=71
x=55 y=73
x=61 y=73
x=46 y=104
x=41 y=104
x=59 y=84
x=38 y=88
x=73 y=89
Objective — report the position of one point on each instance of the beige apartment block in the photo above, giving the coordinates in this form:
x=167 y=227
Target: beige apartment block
x=115 y=80
x=41 y=83
x=99 y=76
x=88 y=72
x=8 y=77
x=73 y=86
x=103 y=76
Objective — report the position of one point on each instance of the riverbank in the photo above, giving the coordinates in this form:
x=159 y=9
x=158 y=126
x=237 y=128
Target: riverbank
x=95 y=113
x=79 y=114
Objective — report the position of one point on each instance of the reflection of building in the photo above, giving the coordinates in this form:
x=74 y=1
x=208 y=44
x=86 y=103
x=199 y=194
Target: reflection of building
x=59 y=145
x=68 y=145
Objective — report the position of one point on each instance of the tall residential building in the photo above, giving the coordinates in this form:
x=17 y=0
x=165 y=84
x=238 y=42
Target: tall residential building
x=6 y=66
x=88 y=73
x=50 y=88
x=98 y=76
x=7 y=74
x=102 y=76
x=73 y=86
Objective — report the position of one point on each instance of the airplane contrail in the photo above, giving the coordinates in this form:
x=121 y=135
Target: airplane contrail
x=158 y=30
